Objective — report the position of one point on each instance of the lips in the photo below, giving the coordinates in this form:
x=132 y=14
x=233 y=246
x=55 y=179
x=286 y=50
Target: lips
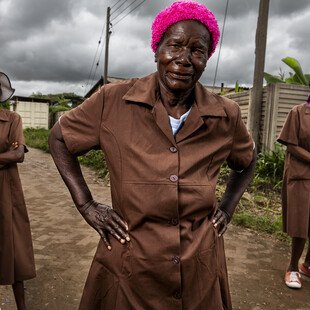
x=181 y=75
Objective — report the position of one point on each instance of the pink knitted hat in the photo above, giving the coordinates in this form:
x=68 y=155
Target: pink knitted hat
x=184 y=10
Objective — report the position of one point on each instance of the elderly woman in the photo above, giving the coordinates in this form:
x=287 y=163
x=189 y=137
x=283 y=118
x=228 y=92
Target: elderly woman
x=16 y=253
x=295 y=135
x=165 y=138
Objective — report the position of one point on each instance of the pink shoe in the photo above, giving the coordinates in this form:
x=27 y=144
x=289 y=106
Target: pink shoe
x=304 y=270
x=292 y=279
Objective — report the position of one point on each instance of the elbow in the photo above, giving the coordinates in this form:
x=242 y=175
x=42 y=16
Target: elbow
x=19 y=156
x=53 y=137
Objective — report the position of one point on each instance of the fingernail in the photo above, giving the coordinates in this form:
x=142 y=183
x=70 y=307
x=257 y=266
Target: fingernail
x=109 y=248
x=122 y=241
x=127 y=238
x=215 y=225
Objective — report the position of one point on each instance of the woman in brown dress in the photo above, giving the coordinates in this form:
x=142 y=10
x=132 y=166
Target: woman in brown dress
x=295 y=135
x=16 y=253
x=165 y=138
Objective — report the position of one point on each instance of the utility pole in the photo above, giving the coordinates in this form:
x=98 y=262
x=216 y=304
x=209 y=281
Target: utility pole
x=255 y=107
x=107 y=39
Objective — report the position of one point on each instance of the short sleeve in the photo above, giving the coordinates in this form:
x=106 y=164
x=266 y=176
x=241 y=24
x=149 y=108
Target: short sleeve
x=289 y=132
x=16 y=131
x=80 y=127
x=241 y=153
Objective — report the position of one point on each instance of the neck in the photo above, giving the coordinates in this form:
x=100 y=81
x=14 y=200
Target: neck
x=176 y=103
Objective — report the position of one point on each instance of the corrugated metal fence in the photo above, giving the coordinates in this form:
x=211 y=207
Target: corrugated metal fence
x=278 y=100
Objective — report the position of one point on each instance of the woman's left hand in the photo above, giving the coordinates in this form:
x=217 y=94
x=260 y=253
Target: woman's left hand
x=14 y=146
x=220 y=221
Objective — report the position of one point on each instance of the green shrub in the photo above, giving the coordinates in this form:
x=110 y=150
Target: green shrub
x=269 y=169
x=95 y=160
x=58 y=108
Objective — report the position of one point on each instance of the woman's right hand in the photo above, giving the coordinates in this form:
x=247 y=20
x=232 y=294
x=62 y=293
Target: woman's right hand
x=106 y=221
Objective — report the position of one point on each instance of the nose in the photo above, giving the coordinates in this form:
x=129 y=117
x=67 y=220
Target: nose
x=184 y=57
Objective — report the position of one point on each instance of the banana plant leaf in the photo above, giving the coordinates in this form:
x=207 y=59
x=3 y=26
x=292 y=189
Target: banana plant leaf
x=272 y=79
x=295 y=65
x=292 y=79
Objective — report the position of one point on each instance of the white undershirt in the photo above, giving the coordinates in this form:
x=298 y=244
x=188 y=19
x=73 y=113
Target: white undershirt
x=176 y=123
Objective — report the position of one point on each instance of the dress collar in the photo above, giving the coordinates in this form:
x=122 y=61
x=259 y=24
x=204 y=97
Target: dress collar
x=145 y=90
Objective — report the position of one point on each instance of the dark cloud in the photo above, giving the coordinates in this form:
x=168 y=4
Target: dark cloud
x=288 y=7
x=51 y=44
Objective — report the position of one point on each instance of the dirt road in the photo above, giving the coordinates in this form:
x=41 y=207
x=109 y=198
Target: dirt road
x=64 y=245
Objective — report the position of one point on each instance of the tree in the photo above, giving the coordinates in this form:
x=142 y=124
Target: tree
x=63 y=99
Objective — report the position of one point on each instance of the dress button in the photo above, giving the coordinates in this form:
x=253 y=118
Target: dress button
x=176 y=259
x=173 y=149
x=177 y=294
x=173 y=178
x=174 y=221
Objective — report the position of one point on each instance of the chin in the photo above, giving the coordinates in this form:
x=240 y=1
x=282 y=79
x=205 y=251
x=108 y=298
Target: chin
x=179 y=85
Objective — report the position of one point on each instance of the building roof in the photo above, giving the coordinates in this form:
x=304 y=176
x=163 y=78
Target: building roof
x=30 y=99
x=99 y=83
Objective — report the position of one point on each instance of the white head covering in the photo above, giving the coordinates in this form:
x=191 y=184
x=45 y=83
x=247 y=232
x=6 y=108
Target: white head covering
x=6 y=91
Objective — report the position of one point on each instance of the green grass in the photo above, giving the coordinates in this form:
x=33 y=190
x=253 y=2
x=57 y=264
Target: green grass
x=258 y=209
x=37 y=138
x=270 y=224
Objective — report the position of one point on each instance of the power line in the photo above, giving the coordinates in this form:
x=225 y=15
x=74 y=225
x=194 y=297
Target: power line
x=218 y=57
x=115 y=4
x=129 y=12
x=97 y=64
x=94 y=59
x=92 y=77
x=124 y=10
x=118 y=7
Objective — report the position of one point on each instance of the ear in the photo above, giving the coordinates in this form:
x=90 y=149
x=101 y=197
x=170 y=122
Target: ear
x=156 y=56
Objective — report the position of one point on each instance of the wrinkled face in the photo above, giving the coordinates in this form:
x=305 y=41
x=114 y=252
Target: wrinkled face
x=182 y=55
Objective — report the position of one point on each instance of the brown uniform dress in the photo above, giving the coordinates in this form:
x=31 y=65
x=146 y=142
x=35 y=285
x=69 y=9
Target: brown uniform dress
x=296 y=179
x=164 y=188
x=16 y=252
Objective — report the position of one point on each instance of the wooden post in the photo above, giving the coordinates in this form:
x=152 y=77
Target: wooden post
x=255 y=108
x=107 y=37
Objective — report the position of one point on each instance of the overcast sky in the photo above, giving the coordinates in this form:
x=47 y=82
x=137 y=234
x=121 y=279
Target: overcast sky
x=49 y=46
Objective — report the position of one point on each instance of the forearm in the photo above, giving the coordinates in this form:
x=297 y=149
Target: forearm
x=69 y=168
x=236 y=186
x=12 y=156
x=299 y=152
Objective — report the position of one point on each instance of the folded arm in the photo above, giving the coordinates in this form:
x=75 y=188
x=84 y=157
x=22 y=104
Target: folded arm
x=14 y=155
